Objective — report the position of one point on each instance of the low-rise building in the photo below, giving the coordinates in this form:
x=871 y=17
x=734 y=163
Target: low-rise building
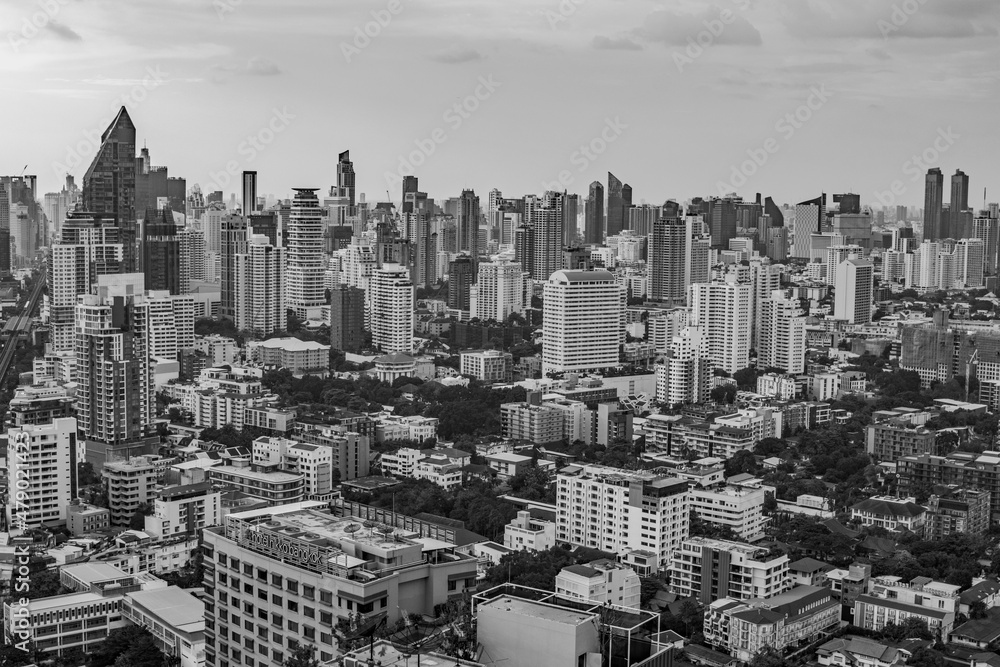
x=414 y=427
x=82 y=518
x=525 y=533
x=892 y=440
x=441 y=471
x=957 y=511
x=265 y=482
x=488 y=365
x=890 y=600
x=130 y=484
x=708 y=569
x=809 y=572
x=301 y=357
x=860 y=652
x=602 y=581
x=508 y=464
x=184 y=510
x=174 y=617
x=740 y=509
x=893 y=514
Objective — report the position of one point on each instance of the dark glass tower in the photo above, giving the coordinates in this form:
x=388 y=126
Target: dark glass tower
x=345 y=177
x=468 y=227
x=617 y=216
x=595 y=214
x=161 y=251
x=250 y=193
x=109 y=184
x=933 y=204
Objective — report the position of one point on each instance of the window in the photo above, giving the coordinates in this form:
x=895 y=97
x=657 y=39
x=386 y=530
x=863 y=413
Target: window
x=277 y=599
x=292 y=586
x=309 y=612
x=326 y=597
x=262 y=574
x=248 y=569
x=276 y=580
x=309 y=632
x=293 y=606
x=308 y=592
x=453 y=585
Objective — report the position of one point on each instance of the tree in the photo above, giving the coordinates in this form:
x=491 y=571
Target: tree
x=925 y=657
x=303 y=655
x=724 y=393
x=131 y=646
x=44 y=584
x=977 y=609
x=767 y=657
x=741 y=462
x=746 y=378
x=648 y=588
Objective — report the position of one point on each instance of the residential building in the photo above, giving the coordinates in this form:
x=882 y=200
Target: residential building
x=261 y=288
x=131 y=483
x=499 y=291
x=83 y=519
x=313 y=462
x=391 y=296
x=890 y=600
x=722 y=310
x=266 y=482
x=304 y=258
x=347 y=318
x=301 y=357
x=892 y=440
x=709 y=569
x=854 y=295
x=351 y=458
x=526 y=533
x=601 y=581
x=584 y=315
x=782 y=334
x=893 y=514
x=508 y=464
x=175 y=618
x=953 y=511
x=42 y=465
x=184 y=510
x=741 y=509
x=488 y=365
x=860 y=651
x=622 y=510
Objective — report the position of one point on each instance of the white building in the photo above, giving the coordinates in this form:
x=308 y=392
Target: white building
x=741 y=509
x=525 y=533
x=584 y=315
x=313 y=462
x=487 y=365
x=602 y=582
x=709 y=569
x=686 y=372
x=174 y=617
x=305 y=260
x=837 y=255
x=170 y=322
x=131 y=483
x=499 y=290
x=890 y=600
x=854 y=292
x=781 y=387
x=722 y=310
x=622 y=510
x=392 y=300
x=261 y=283
x=41 y=467
x=782 y=333
x=183 y=510
x=301 y=357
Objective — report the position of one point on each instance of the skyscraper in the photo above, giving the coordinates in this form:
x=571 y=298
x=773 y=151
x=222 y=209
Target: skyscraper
x=303 y=244
x=161 y=251
x=109 y=183
x=233 y=242
x=468 y=226
x=782 y=339
x=46 y=462
x=669 y=252
x=854 y=291
x=392 y=301
x=959 y=215
x=595 y=228
x=499 y=291
x=249 y=192
x=987 y=229
x=933 y=204
x=260 y=288
x=410 y=189
x=347 y=318
x=722 y=310
x=570 y=210
x=460 y=281
x=547 y=237
x=808 y=219
x=345 y=178
x=765 y=278
x=619 y=201
x=584 y=315
x=722 y=221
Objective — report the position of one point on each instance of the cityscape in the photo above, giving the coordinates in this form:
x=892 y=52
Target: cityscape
x=327 y=399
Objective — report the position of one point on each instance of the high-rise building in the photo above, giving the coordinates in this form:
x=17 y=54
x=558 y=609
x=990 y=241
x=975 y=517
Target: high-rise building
x=410 y=189
x=392 y=302
x=960 y=191
x=783 y=334
x=233 y=242
x=425 y=265
x=809 y=217
x=722 y=310
x=524 y=247
x=109 y=183
x=345 y=178
x=933 y=204
x=347 y=318
x=854 y=291
x=249 y=202
x=161 y=251
x=43 y=458
x=468 y=226
x=595 y=228
x=260 y=288
x=622 y=511
x=460 y=281
x=764 y=279
x=570 y=213
x=619 y=202
x=970 y=256
x=669 y=259
x=192 y=243
x=987 y=230
x=686 y=372
x=547 y=237
x=114 y=398
x=722 y=221
x=499 y=292
x=709 y=569
x=303 y=245
x=584 y=315
x=835 y=255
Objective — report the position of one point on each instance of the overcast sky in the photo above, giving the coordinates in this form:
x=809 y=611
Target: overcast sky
x=201 y=76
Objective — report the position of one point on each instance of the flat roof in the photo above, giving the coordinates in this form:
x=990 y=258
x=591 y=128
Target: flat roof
x=292 y=344
x=90 y=573
x=545 y=612
x=174 y=606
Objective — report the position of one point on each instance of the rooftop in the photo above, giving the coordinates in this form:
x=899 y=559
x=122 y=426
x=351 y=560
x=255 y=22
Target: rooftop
x=174 y=606
x=545 y=612
x=292 y=345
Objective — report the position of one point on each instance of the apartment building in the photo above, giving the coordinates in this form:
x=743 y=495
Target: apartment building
x=130 y=484
x=350 y=448
x=741 y=509
x=265 y=482
x=961 y=469
x=278 y=577
x=526 y=533
x=184 y=510
x=622 y=511
x=709 y=569
x=890 y=600
x=893 y=514
x=891 y=441
x=42 y=471
x=488 y=365
x=313 y=462
x=601 y=581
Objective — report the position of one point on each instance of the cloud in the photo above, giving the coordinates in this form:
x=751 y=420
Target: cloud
x=880 y=19
x=63 y=32
x=676 y=28
x=615 y=43
x=455 y=55
x=262 y=67
x=256 y=66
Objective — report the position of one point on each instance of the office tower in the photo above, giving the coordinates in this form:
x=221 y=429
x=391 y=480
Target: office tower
x=233 y=242
x=547 y=237
x=960 y=191
x=303 y=245
x=835 y=255
x=850 y=204
x=808 y=217
x=685 y=376
x=669 y=259
x=722 y=310
x=460 y=281
x=345 y=178
x=177 y=195
x=619 y=201
x=571 y=212
x=933 y=204
x=641 y=218
x=854 y=291
x=5 y=258
x=410 y=187
x=894 y=266
x=161 y=251
x=425 y=273
x=499 y=291
x=903 y=239
x=109 y=183
x=722 y=221
x=970 y=255
x=524 y=247
x=584 y=315
x=347 y=318
x=635 y=511
x=43 y=460
x=249 y=192
x=595 y=228
x=986 y=230
x=776 y=243
x=468 y=226
x=392 y=301
x=773 y=211
x=782 y=334
x=114 y=399
x=260 y=306
x=4 y=208
x=169 y=323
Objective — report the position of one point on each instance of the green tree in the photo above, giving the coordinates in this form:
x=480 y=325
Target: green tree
x=131 y=646
x=768 y=657
x=303 y=655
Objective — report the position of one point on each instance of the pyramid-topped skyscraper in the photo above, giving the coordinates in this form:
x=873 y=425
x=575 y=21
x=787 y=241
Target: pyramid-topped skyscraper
x=109 y=184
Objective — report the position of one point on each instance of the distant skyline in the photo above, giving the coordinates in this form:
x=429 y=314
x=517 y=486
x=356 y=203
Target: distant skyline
x=534 y=81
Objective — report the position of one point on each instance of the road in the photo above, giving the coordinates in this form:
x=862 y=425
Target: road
x=23 y=325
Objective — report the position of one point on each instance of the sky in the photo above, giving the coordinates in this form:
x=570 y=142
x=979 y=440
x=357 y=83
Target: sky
x=679 y=98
